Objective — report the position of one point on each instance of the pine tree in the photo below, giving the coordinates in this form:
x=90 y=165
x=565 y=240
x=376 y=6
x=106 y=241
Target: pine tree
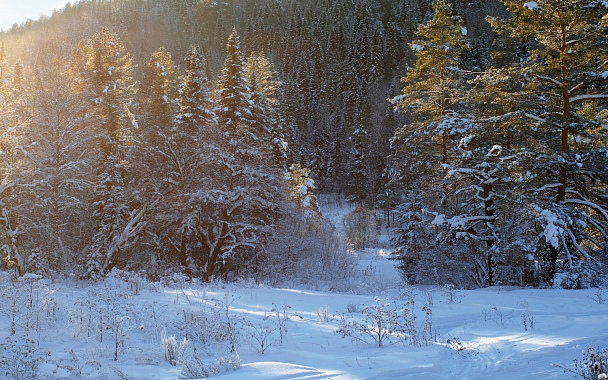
x=432 y=101
x=563 y=73
x=431 y=91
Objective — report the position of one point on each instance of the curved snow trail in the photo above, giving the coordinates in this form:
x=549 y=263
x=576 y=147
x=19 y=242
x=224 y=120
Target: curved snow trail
x=286 y=371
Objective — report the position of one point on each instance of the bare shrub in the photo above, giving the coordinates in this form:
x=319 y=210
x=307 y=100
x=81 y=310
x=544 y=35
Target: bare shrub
x=361 y=226
x=307 y=252
x=323 y=314
x=384 y=322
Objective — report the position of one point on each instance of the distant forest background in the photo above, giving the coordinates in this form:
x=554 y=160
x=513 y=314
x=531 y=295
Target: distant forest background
x=338 y=62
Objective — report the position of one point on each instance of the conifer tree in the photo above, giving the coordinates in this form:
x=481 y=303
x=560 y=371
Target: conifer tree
x=267 y=120
x=158 y=91
x=563 y=73
x=195 y=100
x=182 y=172
x=104 y=70
x=233 y=100
x=234 y=202
x=432 y=102
x=431 y=92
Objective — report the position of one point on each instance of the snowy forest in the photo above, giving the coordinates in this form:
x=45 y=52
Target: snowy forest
x=197 y=136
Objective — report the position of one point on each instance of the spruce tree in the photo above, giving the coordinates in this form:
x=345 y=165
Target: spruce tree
x=266 y=118
x=195 y=101
x=234 y=202
x=104 y=70
x=175 y=232
x=159 y=90
x=233 y=100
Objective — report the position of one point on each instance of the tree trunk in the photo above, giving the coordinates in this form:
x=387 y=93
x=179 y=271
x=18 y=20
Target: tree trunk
x=489 y=212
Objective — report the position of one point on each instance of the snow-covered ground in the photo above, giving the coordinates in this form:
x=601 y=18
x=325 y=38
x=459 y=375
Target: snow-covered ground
x=113 y=330
x=478 y=334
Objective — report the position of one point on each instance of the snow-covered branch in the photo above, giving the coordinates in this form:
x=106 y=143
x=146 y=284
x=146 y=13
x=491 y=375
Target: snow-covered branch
x=588 y=97
x=594 y=206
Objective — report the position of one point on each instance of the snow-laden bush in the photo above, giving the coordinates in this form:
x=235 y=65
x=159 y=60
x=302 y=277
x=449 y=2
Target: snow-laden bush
x=577 y=277
x=594 y=364
x=20 y=358
x=173 y=350
x=384 y=323
x=29 y=304
x=196 y=368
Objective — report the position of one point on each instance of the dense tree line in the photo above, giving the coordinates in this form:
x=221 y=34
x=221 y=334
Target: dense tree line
x=99 y=172
x=144 y=133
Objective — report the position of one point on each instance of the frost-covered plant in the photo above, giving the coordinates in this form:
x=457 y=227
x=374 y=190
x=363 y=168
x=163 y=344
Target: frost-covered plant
x=323 y=314
x=594 y=364
x=409 y=322
x=384 y=322
x=173 y=350
x=155 y=312
x=20 y=358
x=451 y=294
x=12 y=304
x=261 y=336
x=231 y=325
x=196 y=368
x=28 y=303
x=200 y=326
x=279 y=320
x=427 y=328
x=136 y=281
x=105 y=313
x=75 y=367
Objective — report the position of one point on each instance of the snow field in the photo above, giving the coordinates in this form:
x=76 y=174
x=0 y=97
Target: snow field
x=113 y=330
